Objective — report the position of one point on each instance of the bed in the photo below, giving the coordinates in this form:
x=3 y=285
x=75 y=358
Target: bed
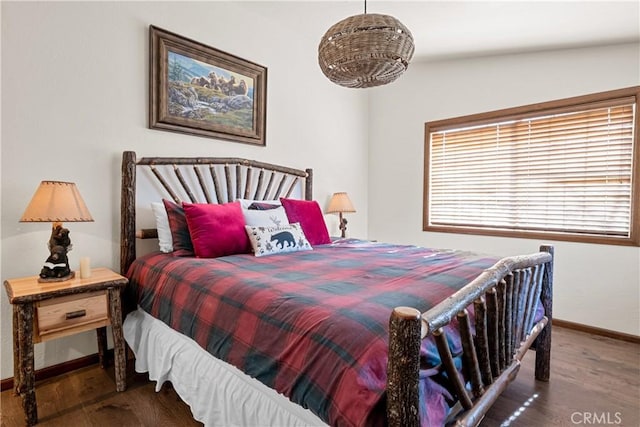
x=349 y=332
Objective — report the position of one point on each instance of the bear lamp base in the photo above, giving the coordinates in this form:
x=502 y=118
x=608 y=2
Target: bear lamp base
x=69 y=276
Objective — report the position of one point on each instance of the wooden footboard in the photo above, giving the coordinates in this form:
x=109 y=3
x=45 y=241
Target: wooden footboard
x=504 y=299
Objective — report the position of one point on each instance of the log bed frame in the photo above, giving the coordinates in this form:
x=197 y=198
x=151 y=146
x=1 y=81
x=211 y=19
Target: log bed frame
x=504 y=296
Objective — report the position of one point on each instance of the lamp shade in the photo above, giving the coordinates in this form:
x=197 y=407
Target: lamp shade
x=340 y=202
x=56 y=201
x=365 y=50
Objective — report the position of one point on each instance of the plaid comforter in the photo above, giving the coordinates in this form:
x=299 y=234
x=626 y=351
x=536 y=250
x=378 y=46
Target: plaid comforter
x=312 y=325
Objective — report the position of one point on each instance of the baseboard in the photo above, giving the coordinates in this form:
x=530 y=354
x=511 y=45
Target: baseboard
x=596 y=331
x=59 y=369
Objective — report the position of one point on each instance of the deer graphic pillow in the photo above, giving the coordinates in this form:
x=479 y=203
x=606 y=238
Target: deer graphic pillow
x=276 y=217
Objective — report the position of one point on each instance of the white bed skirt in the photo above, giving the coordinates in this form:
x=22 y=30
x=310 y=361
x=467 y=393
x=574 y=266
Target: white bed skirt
x=218 y=393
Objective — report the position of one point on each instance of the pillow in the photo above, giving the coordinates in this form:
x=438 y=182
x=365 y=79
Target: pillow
x=262 y=206
x=276 y=217
x=246 y=203
x=217 y=230
x=180 y=237
x=309 y=215
x=162 y=225
x=277 y=240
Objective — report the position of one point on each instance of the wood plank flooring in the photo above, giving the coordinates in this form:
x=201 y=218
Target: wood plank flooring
x=594 y=381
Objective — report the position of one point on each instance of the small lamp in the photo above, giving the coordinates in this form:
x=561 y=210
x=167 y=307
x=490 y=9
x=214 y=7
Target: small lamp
x=340 y=203
x=57 y=202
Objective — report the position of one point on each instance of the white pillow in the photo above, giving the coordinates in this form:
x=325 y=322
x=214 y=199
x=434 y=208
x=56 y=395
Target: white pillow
x=276 y=217
x=165 y=241
x=275 y=240
x=245 y=203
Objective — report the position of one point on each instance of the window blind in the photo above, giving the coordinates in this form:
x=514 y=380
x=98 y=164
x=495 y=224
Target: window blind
x=567 y=171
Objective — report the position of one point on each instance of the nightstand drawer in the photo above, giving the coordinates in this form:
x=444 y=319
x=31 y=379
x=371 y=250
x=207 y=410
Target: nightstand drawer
x=56 y=317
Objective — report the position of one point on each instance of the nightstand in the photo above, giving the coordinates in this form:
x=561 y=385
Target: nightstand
x=45 y=311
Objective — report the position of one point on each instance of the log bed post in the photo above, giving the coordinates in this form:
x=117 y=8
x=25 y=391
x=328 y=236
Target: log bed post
x=403 y=369
x=308 y=185
x=543 y=341
x=128 y=211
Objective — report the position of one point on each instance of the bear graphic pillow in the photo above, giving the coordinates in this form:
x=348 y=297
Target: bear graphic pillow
x=276 y=240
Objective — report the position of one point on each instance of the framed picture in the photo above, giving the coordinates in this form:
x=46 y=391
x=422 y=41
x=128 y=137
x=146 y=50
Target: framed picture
x=200 y=90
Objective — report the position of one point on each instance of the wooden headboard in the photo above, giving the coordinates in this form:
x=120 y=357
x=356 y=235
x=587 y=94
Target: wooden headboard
x=201 y=180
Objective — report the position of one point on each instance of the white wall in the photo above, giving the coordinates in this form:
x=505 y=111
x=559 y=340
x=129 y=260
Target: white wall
x=584 y=293
x=74 y=96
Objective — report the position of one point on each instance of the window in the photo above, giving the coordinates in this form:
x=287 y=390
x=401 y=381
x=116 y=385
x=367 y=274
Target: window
x=564 y=170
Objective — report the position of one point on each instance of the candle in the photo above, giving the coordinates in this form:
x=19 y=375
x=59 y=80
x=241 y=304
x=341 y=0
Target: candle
x=85 y=267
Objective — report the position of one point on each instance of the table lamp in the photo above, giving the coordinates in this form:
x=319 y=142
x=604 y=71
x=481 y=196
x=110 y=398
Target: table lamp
x=57 y=202
x=340 y=203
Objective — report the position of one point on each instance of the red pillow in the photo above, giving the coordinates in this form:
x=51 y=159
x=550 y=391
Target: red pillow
x=309 y=215
x=182 y=245
x=217 y=230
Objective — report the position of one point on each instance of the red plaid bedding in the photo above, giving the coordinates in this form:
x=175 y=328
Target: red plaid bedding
x=311 y=325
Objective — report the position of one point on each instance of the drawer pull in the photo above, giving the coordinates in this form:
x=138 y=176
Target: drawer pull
x=75 y=314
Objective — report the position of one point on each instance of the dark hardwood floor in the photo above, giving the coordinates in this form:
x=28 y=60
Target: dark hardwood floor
x=594 y=381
